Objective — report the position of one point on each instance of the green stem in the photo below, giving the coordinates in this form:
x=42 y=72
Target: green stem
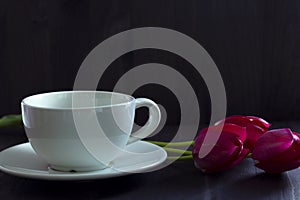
x=11 y=121
x=249 y=155
x=189 y=157
x=179 y=151
x=172 y=144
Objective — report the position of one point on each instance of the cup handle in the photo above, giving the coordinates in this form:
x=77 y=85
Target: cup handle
x=151 y=124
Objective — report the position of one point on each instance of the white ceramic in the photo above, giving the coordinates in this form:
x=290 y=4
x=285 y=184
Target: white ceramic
x=21 y=160
x=75 y=130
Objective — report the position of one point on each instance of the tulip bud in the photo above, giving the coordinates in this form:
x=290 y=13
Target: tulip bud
x=226 y=153
x=255 y=127
x=277 y=151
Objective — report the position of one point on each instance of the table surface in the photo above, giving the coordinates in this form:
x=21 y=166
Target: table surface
x=180 y=180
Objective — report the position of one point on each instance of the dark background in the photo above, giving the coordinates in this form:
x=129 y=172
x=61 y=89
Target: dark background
x=255 y=44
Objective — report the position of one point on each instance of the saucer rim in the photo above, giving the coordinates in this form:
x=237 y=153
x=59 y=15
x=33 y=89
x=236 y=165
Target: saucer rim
x=78 y=176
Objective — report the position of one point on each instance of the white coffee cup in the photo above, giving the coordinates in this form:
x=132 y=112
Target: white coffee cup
x=59 y=137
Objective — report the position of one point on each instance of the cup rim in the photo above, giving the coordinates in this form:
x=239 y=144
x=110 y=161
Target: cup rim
x=23 y=102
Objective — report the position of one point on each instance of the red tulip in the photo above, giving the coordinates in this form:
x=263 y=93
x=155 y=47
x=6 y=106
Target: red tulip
x=226 y=153
x=255 y=127
x=277 y=151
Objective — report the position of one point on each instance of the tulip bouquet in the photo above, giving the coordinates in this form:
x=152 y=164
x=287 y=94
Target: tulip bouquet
x=274 y=151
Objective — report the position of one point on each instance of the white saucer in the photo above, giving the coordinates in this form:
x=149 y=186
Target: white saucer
x=21 y=160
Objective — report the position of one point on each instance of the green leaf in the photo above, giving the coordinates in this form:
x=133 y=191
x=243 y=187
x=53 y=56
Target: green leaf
x=11 y=121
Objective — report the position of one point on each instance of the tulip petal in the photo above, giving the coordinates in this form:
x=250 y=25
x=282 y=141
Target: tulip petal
x=253 y=134
x=275 y=168
x=296 y=137
x=231 y=129
x=225 y=152
x=290 y=155
x=242 y=156
x=272 y=143
x=259 y=122
x=219 y=155
x=232 y=160
x=245 y=121
x=238 y=131
x=228 y=129
x=237 y=156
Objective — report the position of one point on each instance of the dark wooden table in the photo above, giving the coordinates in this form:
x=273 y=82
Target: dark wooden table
x=181 y=180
